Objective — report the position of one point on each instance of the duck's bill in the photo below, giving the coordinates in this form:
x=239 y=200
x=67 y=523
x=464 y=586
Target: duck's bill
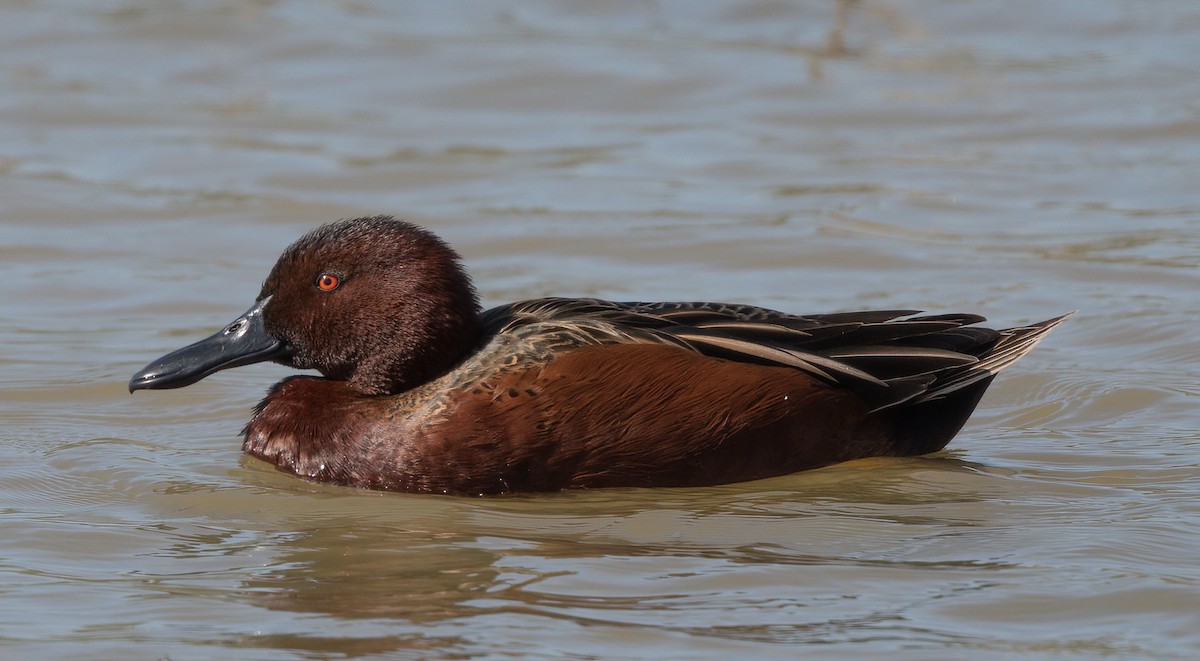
x=242 y=342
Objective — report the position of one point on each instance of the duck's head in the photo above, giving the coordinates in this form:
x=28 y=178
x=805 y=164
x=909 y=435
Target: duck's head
x=377 y=302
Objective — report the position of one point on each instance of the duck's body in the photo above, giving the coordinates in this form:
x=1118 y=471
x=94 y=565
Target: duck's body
x=558 y=393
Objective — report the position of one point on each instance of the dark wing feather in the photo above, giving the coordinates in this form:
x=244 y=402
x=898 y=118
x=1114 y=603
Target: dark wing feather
x=880 y=355
x=1010 y=347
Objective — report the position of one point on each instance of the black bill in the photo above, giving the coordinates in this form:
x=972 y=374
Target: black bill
x=242 y=342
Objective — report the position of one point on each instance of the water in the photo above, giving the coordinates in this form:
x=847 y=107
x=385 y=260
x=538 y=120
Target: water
x=1014 y=159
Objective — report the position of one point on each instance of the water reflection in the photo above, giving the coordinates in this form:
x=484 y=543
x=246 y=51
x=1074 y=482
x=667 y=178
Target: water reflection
x=431 y=565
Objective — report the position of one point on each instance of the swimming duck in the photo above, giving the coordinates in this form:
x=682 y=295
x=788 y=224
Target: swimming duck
x=422 y=391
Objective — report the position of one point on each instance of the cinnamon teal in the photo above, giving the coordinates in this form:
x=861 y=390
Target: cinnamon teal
x=422 y=391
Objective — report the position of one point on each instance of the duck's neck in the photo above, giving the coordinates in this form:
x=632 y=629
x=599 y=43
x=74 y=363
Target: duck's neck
x=419 y=354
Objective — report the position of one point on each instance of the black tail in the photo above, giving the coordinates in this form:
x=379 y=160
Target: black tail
x=928 y=426
x=927 y=422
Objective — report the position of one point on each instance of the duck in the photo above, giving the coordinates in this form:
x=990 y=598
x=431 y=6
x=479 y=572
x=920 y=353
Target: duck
x=421 y=390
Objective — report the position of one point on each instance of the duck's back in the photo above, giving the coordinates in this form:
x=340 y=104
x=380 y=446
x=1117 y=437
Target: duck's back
x=887 y=358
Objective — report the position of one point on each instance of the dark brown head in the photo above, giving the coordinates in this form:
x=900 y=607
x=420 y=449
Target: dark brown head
x=377 y=302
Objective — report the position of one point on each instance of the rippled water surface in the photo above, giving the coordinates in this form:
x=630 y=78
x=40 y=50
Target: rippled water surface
x=1018 y=159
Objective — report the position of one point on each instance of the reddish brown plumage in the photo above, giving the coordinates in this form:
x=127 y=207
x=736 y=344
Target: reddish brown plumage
x=422 y=392
x=616 y=415
x=656 y=415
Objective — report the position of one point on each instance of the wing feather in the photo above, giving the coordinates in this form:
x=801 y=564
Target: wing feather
x=888 y=357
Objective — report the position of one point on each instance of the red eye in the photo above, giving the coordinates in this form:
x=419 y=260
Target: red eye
x=328 y=282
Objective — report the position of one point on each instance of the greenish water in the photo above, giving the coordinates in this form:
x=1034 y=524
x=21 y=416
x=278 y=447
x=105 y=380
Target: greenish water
x=1013 y=159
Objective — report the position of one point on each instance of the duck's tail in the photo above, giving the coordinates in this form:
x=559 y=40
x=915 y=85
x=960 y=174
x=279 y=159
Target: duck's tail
x=928 y=422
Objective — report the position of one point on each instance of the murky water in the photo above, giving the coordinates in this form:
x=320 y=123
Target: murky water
x=1017 y=159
